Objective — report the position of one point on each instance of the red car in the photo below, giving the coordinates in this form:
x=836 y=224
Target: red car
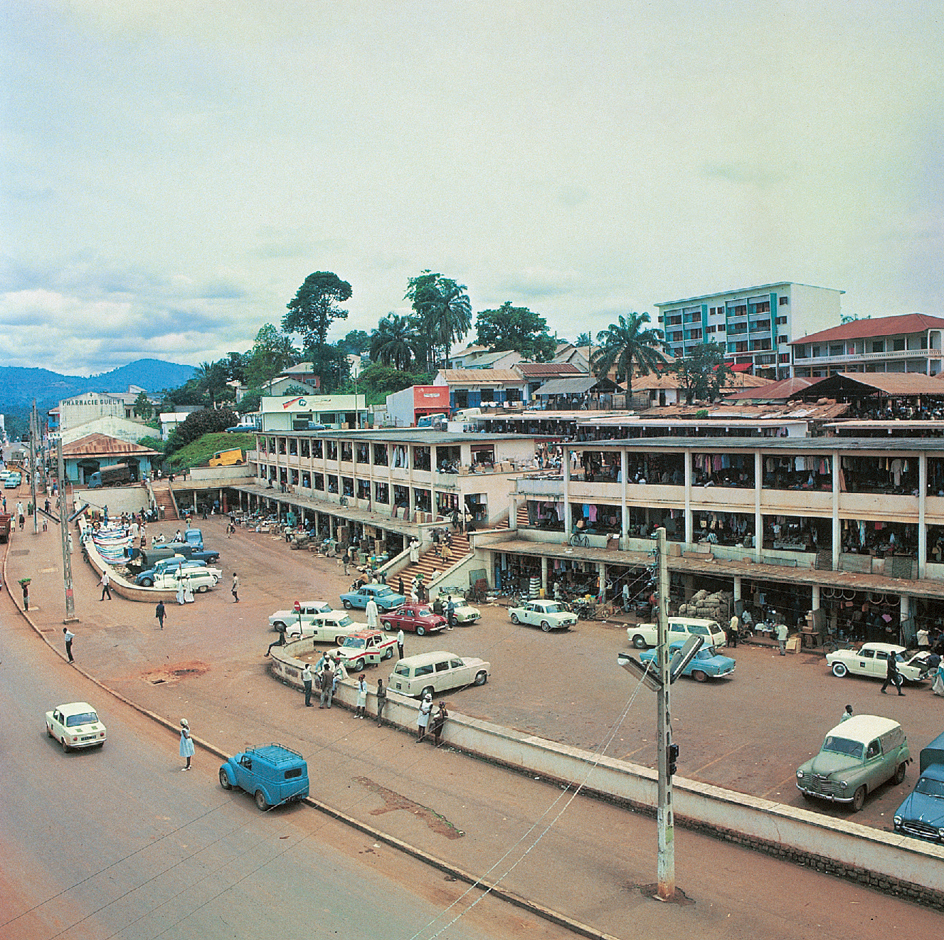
x=417 y=618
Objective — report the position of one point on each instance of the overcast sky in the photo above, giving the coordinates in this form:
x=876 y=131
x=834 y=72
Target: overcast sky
x=172 y=171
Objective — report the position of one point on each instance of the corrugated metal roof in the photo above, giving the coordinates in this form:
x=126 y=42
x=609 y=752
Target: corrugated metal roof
x=480 y=376
x=547 y=368
x=880 y=326
x=101 y=445
x=774 y=391
x=574 y=386
x=890 y=383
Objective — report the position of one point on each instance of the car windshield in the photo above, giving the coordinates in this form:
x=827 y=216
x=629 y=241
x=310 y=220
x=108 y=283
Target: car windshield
x=354 y=642
x=846 y=746
x=342 y=622
x=402 y=670
x=551 y=609
x=82 y=718
x=930 y=787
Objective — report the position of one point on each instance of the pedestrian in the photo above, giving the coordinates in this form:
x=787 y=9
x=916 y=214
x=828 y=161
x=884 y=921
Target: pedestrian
x=924 y=638
x=373 y=614
x=400 y=644
x=25 y=586
x=892 y=674
x=306 y=683
x=846 y=715
x=400 y=587
x=280 y=641
x=782 y=634
x=446 y=554
x=733 y=627
x=937 y=683
x=422 y=720
x=361 y=708
x=70 y=543
x=455 y=519
x=69 y=637
x=414 y=551
x=381 y=701
x=160 y=613
x=345 y=562
x=234 y=590
x=439 y=720
x=451 y=613
x=181 y=593
x=327 y=685
x=105 y=582
x=414 y=591
x=186 y=742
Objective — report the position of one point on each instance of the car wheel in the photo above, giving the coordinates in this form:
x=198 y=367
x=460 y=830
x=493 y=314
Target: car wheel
x=359 y=666
x=386 y=624
x=639 y=642
x=481 y=677
x=279 y=626
x=545 y=626
x=65 y=747
x=514 y=618
x=427 y=691
x=347 y=605
x=858 y=799
x=48 y=732
x=202 y=589
x=900 y=772
x=389 y=653
x=421 y=631
x=224 y=780
x=261 y=800
x=699 y=676
x=839 y=670
x=147 y=582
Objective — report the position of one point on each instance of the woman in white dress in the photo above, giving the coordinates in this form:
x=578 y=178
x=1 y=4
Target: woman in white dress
x=186 y=742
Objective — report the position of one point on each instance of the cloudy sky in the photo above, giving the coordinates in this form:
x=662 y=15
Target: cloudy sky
x=171 y=172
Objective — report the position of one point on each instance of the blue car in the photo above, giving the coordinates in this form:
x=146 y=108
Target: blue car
x=706 y=664
x=272 y=774
x=922 y=813
x=386 y=598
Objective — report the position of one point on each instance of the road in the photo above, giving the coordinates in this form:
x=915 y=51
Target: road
x=579 y=856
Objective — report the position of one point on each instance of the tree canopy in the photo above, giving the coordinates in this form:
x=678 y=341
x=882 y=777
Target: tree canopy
x=442 y=307
x=703 y=373
x=394 y=342
x=271 y=353
x=515 y=328
x=630 y=346
x=315 y=306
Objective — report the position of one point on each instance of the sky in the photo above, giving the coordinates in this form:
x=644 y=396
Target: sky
x=172 y=172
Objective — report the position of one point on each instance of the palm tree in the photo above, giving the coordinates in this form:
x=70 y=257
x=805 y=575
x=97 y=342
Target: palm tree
x=442 y=307
x=631 y=346
x=393 y=342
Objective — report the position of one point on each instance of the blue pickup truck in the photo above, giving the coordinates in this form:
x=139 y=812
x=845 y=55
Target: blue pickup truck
x=272 y=773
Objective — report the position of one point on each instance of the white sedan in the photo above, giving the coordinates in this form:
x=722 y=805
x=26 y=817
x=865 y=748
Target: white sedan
x=548 y=615
x=199 y=580
x=872 y=660
x=289 y=619
x=464 y=613
x=331 y=627
x=75 y=725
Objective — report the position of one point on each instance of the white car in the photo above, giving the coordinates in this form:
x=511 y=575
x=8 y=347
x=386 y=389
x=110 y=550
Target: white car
x=437 y=672
x=283 y=619
x=642 y=635
x=464 y=613
x=872 y=660
x=548 y=615
x=331 y=627
x=75 y=725
x=200 y=580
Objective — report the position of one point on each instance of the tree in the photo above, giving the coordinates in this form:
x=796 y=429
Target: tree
x=377 y=381
x=703 y=373
x=211 y=381
x=515 y=328
x=356 y=342
x=250 y=401
x=442 y=307
x=330 y=363
x=271 y=353
x=199 y=423
x=629 y=345
x=314 y=307
x=393 y=343
x=143 y=407
x=584 y=339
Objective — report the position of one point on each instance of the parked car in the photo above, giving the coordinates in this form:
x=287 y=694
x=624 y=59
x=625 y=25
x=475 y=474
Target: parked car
x=368 y=646
x=200 y=580
x=178 y=563
x=189 y=550
x=281 y=619
x=75 y=725
x=437 y=672
x=464 y=613
x=548 y=615
x=386 y=597
x=642 y=635
x=922 y=812
x=872 y=660
x=414 y=618
x=706 y=664
x=273 y=774
x=331 y=627
x=857 y=757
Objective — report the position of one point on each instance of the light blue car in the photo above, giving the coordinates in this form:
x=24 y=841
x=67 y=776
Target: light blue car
x=272 y=774
x=386 y=597
x=706 y=664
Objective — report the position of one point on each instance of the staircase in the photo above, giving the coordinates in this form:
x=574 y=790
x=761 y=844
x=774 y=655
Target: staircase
x=164 y=499
x=430 y=565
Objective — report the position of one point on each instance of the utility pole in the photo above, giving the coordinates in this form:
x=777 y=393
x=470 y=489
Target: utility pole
x=64 y=534
x=665 y=818
x=32 y=465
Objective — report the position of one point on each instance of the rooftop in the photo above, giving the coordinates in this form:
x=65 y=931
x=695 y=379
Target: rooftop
x=880 y=326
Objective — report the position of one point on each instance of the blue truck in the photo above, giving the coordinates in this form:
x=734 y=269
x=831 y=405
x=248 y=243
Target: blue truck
x=272 y=773
x=922 y=813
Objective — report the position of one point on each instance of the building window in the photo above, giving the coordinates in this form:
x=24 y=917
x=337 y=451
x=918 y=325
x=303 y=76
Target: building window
x=784 y=357
x=835 y=350
x=878 y=346
x=781 y=321
x=721 y=327
x=781 y=339
x=898 y=344
x=783 y=301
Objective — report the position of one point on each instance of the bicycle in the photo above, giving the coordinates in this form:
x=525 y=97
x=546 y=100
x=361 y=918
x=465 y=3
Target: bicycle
x=580 y=541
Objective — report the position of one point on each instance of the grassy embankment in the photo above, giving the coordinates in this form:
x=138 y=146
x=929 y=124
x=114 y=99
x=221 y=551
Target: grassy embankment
x=198 y=452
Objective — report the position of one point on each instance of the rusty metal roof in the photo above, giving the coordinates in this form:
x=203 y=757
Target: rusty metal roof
x=101 y=445
x=880 y=326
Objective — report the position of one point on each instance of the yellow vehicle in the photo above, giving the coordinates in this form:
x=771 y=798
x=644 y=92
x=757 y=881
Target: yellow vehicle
x=227 y=458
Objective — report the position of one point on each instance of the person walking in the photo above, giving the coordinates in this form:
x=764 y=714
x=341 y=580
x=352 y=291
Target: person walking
x=733 y=628
x=69 y=637
x=186 y=742
x=373 y=614
x=381 y=701
x=234 y=590
x=439 y=720
x=105 y=582
x=937 y=683
x=306 y=683
x=361 y=708
x=422 y=721
x=414 y=551
x=892 y=674
x=782 y=633
x=451 y=613
x=327 y=685
x=25 y=586
x=400 y=587
x=160 y=613
x=400 y=640
x=846 y=715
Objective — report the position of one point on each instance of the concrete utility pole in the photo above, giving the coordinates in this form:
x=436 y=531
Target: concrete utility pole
x=64 y=534
x=32 y=464
x=665 y=818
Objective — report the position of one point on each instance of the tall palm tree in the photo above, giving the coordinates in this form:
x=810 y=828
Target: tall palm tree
x=393 y=342
x=442 y=307
x=631 y=346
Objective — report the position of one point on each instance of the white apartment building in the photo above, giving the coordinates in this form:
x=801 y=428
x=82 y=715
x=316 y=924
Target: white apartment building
x=754 y=324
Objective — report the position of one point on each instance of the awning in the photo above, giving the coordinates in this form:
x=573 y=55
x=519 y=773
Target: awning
x=742 y=367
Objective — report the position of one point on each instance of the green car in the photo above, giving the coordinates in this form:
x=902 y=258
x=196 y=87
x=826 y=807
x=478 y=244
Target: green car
x=857 y=757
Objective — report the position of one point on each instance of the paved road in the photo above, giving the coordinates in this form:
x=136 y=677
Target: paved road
x=207 y=666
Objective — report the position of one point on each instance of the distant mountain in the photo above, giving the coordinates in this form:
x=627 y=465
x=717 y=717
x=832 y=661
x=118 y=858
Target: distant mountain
x=18 y=386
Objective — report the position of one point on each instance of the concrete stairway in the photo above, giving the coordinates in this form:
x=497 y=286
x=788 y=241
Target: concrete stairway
x=163 y=498
x=431 y=565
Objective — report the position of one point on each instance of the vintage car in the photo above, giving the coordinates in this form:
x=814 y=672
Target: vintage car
x=331 y=627
x=922 y=812
x=305 y=610
x=386 y=597
x=464 y=613
x=146 y=578
x=414 y=618
x=548 y=615
x=75 y=725
x=437 y=672
x=872 y=660
x=273 y=774
x=199 y=580
x=642 y=635
x=706 y=664
x=368 y=646
x=857 y=757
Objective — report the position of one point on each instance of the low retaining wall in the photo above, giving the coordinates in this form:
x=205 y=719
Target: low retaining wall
x=884 y=860
x=118 y=584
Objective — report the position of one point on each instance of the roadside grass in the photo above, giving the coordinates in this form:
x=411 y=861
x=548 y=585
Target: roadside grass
x=198 y=453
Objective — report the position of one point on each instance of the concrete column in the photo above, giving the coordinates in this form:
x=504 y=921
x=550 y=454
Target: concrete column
x=922 y=508
x=544 y=574
x=837 y=527
x=738 y=580
x=624 y=498
x=816 y=597
x=565 y=466
x=758 y=513
x=601 y=571
x=513 y=513
x=689 y=521
x=904 y=612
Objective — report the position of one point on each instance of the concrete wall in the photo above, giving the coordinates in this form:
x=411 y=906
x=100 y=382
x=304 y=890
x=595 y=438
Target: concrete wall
x=118 y=499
